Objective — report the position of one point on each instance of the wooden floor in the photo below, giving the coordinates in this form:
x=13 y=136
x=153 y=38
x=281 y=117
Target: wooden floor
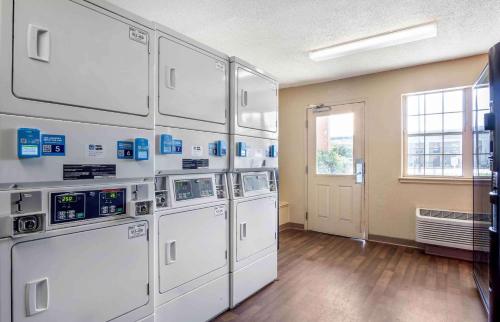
x=329 y=278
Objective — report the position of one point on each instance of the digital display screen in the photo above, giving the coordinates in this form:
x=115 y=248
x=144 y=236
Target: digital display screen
x=193 y=188
x=29 y=150
x=111 y=195
x=67 y=198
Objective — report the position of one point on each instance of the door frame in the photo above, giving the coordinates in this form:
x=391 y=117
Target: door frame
x=364 y=208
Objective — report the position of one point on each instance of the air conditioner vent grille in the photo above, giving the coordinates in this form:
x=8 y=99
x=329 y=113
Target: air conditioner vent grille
x=452 y=229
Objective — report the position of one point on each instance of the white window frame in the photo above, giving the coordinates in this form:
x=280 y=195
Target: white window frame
x=467 y=138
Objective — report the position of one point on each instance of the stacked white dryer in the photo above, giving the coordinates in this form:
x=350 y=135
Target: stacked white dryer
x=191 y=161
x=76 y=176
x=252 y=181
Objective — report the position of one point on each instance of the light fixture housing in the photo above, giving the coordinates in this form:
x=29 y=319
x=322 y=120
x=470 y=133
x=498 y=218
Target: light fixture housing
x=393 y=38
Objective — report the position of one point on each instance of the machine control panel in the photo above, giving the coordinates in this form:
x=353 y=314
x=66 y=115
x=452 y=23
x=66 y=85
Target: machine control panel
x=255 y=182
x=83 y=205
x=28 y=143
x=187 y=189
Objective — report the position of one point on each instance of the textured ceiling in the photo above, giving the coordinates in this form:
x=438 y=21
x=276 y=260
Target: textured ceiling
x=277 y=34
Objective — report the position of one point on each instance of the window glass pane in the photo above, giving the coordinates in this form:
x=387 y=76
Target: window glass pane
x=434 y=123
x=479 y=115
x=416 y=145
x=483 y=98
x=453 y=122
x=482 y=165
x=434 y=144
x=452 y=144
x=412 y=105
x=415 y=124
x=433 y=103
x=453 y=101
x=334 y=144
x=433 y=165
x=482 y=142
x=452 y=165
x=415 y=165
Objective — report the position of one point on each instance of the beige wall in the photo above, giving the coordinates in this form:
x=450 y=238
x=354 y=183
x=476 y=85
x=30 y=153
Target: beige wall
x=390 y=204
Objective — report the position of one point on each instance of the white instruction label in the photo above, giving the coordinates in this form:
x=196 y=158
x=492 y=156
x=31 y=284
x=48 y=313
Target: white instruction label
x=219 y=211
x=95 y=150
x=138 y=35
x=196 y=151
x=135 y=231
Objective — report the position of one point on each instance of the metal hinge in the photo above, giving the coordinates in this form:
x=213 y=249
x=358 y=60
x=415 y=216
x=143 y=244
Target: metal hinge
x=226 y=254
x=307 y=169
x=147 y=234
x=148 y=101
x=225 y=213
x=147 y=289
x=307 y=125
x=275 y=235
x=307 y=215
x=225 y=113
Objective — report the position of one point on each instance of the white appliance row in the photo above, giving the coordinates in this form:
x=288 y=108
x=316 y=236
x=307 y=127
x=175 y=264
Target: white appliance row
x=103 y=117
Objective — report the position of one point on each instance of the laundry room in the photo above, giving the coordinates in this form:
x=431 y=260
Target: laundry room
x=191 y=161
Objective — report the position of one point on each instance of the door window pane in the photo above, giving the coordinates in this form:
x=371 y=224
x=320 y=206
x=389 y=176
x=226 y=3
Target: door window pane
x=452 y=144
x=415 y=165
x=334 y=144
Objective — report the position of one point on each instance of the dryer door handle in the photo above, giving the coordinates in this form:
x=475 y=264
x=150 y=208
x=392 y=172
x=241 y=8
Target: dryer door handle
x=170 y=77
x=170 y=252
x=37 y=296
x=38 y=43
x=243 y=230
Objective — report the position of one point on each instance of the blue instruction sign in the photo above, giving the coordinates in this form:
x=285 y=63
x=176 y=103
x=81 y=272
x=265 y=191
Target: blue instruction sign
x=53 y=145
x=125 y=150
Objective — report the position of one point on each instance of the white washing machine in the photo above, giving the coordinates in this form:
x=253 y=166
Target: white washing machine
x=77 y=253
x=253 y=186
x=192 y=247
x=76 y=170
x=191 y=161
x=254 y=211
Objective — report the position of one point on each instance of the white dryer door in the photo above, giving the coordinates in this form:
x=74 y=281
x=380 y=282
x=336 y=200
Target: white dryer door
x=193 y=84
x=257 y=101
x=255 y=226
x=69 y=54
x=95 y=275
x=191 y=244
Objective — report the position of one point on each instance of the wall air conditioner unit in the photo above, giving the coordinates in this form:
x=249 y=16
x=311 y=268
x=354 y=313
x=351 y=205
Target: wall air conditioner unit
x=452 y=229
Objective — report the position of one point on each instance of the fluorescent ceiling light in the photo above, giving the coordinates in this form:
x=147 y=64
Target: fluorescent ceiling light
x=389 y=39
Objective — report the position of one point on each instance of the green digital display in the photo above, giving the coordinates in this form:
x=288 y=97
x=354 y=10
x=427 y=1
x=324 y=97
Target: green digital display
x=67 y=198
x=111 y=195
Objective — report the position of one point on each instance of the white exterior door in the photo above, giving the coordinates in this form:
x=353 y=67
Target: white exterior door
x=335 y=169
x=95 y=275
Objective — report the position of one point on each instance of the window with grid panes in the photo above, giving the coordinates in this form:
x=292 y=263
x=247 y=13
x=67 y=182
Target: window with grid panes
x=434 y=128
x=481 y=138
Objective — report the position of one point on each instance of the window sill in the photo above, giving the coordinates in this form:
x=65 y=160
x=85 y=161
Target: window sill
x=436 y=180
